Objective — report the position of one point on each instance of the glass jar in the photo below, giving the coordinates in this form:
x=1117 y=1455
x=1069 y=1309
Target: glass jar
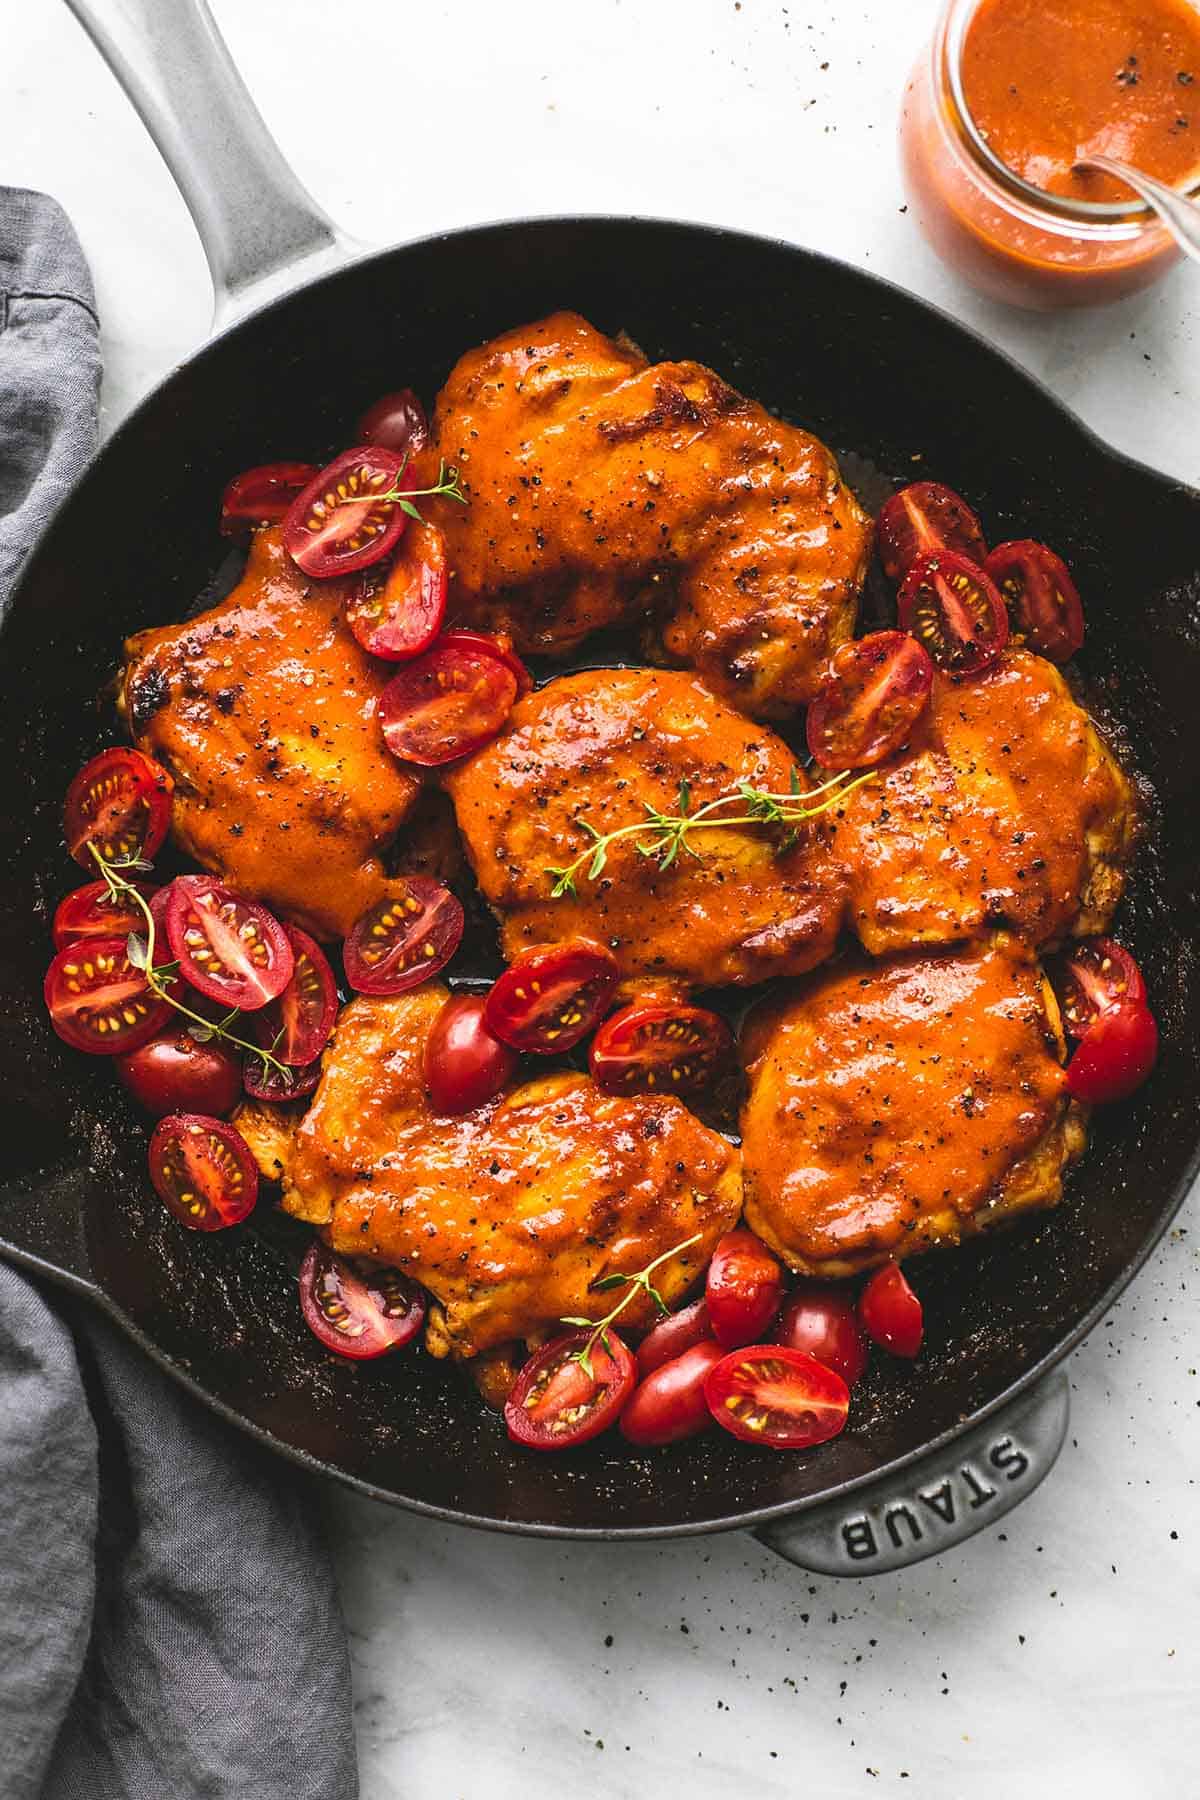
x=1010 y=239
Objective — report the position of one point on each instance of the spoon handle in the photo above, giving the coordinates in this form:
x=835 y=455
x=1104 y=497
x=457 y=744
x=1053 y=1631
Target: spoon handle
x=1180 y=215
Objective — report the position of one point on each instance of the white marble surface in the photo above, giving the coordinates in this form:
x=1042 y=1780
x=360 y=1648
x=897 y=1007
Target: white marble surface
x=1057 y=1655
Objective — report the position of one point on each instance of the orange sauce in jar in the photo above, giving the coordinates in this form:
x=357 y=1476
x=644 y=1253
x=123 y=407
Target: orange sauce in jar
x=1014 y=93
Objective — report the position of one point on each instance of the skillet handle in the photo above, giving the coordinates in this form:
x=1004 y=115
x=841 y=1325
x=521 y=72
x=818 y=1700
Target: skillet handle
x=940 y=1501
x=262 y=232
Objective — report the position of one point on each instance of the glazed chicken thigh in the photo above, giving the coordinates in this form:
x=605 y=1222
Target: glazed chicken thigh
x=510 y=1214
x=735 y=905
x=264 y=709
x=903 y=1104
x=595 y=480
x=1006 y=808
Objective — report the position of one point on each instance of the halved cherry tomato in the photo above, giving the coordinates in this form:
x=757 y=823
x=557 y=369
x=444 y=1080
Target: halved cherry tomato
x=669 y=1403
x=91 y=911
x=870 y=697
x=230 y=949
x=890 y=1313
x=359 y=1309
x=498 y=645
x=397 y=615
x=465 y=1065
x=261 y=496
x=1095 y=974
x=397 y=422
x=175 y=1073
x=262 y=1082
x=121 y=803
x=819 y=1317
x=555 y=1402
x=295 y=1026
x=1115 y=1054
x=548 y=999
x=337 y=524
x=768 y=1394
x=922 y=518
x=663 y=1049
x=202 y=1171
x=955 y=611
x=98 y=1001
x=1043 y=602
x=678 y=1332
x=401 y=942
x=446 y=704
x=743 y=1290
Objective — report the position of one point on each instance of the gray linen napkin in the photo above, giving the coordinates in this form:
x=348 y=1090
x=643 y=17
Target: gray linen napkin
x=169 y=1625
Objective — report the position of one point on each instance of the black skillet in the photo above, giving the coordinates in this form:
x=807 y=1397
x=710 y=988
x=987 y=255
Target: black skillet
x=932 y=1452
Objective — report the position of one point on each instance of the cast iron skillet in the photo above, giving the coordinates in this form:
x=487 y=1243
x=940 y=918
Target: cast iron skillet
x=931 y=1453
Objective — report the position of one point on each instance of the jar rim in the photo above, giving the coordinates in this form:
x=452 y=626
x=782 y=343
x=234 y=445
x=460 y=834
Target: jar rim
x=949 y=47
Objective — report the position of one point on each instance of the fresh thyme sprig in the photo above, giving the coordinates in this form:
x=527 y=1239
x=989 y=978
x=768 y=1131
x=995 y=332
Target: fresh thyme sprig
x=669 y=833
x=639 y=1283
x=140 y=951
x=447 y=487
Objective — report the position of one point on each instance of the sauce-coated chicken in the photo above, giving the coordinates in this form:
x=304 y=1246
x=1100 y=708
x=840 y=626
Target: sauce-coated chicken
x=902 y=1104
x=1006 y=808
x=509 y=1214
x=593 y=477
x=733 y=907
x=264 y=709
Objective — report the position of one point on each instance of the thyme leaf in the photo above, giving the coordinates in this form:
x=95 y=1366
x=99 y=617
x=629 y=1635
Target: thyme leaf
x=634 y=1285
x=660 y=836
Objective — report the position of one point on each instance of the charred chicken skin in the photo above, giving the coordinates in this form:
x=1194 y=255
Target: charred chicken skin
x=899 y=1105
x=507 y=1215
x=264 y=709
x=595 y=478
x=734 y=906
x=1006 y=808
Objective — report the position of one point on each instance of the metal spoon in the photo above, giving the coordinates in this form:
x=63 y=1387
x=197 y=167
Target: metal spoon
x=1180 y=216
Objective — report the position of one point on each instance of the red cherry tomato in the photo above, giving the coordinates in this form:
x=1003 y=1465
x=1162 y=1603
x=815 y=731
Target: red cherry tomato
x=555 y=1402
x=91 y=912
x=230 y=949
x=819 y=1317
x=744 y=1289
x=396 y=422
x=98 y=1001
x=202 y=1171
x=669 y=1403
x=678 y=1332
x=890 y=1313
x=359 y=1309
x=397 y=614
x=922 y=518
x=662 y=1049
x=295 y=1026
x=549 y=999
x=446 y=704
x=500 y=645
x=121 y=803
x=955 y=611
x=1043 y=602
x=262 y=1082
x=401 y=942
x=261 y=496
x=465 y=1066
x=1115 y=1054
x=338 y=524
x=869 y=699
x=768 y=1394
x=173 y=1073
x=1096 y=974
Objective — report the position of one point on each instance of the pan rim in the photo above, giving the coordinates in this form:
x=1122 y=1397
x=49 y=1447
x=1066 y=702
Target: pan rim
x=743 y=1520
